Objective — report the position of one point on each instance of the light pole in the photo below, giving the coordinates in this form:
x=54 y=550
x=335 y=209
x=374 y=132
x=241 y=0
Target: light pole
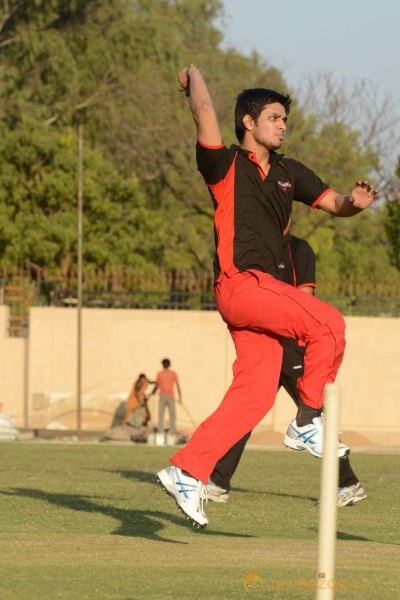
x=79 y=283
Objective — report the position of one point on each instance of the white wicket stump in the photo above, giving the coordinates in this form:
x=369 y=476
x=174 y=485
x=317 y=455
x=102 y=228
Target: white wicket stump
x=328 y=496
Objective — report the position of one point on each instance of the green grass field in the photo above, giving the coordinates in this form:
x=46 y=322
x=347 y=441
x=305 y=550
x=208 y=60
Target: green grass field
x=89 y=521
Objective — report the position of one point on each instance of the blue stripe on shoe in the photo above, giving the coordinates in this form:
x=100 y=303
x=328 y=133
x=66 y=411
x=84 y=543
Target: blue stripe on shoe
x=302 y=436
x=183 y=487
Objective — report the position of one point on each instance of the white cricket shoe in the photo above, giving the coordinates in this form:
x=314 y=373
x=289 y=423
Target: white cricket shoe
x=216 y=493
x=311 y=438
x=189 y=494
x=349 y=495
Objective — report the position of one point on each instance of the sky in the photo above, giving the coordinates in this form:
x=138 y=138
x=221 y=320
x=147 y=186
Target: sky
x=354 y=39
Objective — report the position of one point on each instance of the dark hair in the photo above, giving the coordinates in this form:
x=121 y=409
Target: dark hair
x=252 y=102
x=166 y=363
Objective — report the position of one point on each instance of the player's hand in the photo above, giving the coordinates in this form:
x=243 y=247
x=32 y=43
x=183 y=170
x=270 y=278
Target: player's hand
x=362 y=195
x=183 y=80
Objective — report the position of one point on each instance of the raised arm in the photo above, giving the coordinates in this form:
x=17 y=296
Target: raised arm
x=192 y=83
x=341 y=205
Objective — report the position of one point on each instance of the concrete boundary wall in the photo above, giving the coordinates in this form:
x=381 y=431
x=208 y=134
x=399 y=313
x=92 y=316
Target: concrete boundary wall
x=38 y=375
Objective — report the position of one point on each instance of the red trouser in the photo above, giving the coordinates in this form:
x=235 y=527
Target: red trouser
x=259 y=309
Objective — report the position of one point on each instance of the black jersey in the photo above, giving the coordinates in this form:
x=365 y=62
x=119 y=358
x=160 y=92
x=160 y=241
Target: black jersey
x=297 y=264
x=252 y=209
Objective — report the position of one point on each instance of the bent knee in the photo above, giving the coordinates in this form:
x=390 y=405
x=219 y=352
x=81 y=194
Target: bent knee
x=336 y=324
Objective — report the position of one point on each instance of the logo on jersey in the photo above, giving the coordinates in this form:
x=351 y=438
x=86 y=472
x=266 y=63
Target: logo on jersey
x=281 y=265
x=284 y=184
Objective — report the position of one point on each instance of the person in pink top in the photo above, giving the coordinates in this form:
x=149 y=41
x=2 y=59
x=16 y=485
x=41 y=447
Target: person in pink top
x=165 y=382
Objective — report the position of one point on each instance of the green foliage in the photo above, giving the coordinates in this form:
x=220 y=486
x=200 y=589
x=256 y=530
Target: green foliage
x=112 y=65
x=39 y=206
x=354 y=248
x=392 y=226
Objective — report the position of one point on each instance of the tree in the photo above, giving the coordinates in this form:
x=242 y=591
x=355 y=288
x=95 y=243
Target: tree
x=117 y=61
x=38 y=215
x=361 y=106
x=392 y=222
x=113 y=64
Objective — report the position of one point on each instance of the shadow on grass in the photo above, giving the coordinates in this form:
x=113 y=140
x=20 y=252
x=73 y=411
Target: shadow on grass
x=146 y=477
x=280 y=494
x=341 y=535
x=351 y=537
x=142 y=476
x=133 y=523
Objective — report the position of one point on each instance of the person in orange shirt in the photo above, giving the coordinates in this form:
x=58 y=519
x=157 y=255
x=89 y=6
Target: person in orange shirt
x=165 y=382
x=136 y=413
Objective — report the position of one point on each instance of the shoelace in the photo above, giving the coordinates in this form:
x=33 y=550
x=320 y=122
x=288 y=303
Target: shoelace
x=203 y=496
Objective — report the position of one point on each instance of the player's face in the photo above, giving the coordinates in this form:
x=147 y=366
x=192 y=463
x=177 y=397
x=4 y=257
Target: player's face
x=270 y=127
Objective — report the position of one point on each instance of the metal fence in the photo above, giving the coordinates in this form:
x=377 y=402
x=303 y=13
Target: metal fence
x=21 y=289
